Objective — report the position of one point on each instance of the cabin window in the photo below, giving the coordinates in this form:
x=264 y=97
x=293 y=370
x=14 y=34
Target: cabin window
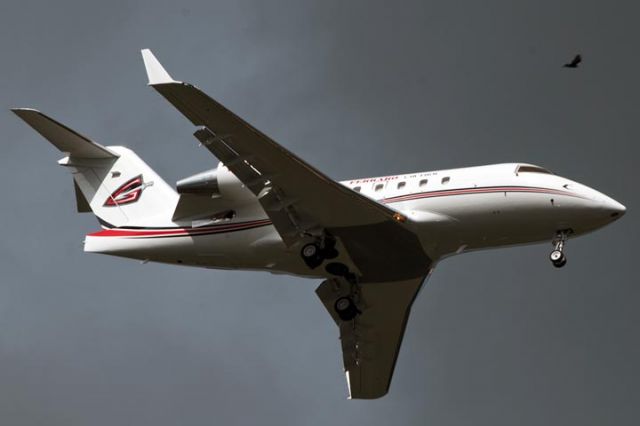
x=357 y=188
x=423 y=183
x=379 y=187
x=402 y=184
x=445 y=180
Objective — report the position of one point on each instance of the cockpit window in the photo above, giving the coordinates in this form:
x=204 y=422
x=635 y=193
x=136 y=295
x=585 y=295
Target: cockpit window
x=531 y=169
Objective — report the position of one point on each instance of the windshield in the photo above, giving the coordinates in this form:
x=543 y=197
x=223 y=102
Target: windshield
x=527 y=168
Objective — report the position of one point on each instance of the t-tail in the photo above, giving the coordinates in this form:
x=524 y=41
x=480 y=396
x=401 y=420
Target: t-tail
x=112 y=182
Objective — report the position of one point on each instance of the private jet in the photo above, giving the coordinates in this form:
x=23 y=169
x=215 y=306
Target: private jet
x=373 y=241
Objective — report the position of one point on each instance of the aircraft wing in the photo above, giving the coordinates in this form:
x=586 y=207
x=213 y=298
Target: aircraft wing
x=257 y=161
x=371 y=341
x=299 y=199
x=382 y=251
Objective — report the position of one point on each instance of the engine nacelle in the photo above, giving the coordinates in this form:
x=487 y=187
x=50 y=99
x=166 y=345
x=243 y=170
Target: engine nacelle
x=218 y=182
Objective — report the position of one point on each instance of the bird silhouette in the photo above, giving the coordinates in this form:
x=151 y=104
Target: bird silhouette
x=574 y=62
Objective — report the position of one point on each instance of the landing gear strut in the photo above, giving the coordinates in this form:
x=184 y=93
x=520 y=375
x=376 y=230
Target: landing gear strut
x=557 y=256
x=345 y=281
x=346 y=306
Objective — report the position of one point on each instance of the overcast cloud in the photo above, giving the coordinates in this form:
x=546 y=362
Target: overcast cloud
x=357 y=88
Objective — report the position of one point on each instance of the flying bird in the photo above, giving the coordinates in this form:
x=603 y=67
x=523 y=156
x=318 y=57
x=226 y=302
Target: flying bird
x=574 y=62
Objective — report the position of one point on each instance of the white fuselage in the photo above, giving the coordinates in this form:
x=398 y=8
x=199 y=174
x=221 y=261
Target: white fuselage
x=452 y=211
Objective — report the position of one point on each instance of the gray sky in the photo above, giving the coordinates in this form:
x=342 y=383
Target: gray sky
x=358 y=89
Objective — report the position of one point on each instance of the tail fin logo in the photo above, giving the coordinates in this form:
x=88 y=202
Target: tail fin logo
x=129 y=192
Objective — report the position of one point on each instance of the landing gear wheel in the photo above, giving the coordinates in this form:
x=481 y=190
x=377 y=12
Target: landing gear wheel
x=309 y=251
x=329 y=250
x=337 y=268
x=346 y=309
x=561 y=263
x=330 y=253
x=311 y=255
x=558 y=258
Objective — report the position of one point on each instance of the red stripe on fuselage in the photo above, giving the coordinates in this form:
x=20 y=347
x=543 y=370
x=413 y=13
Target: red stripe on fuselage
x=179 y=232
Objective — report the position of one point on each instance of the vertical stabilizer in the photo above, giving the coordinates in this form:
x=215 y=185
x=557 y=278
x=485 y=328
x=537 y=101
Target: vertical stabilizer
x=113 y=182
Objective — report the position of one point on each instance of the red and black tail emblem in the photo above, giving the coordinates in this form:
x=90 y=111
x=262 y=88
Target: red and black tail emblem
x=129 y=192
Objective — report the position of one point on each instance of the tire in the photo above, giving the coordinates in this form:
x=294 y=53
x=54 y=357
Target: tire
x=556 y=256
x=330 y=253
x=337 y=269
x=309 y=251
x=343 y=304
x=560 y=263
x=311 y=255
x=345 y=308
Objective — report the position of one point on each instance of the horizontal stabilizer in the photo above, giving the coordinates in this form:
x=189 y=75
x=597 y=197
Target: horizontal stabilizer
x=62 y=137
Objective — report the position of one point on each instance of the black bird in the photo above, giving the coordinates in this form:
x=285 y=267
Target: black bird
x=574 y=62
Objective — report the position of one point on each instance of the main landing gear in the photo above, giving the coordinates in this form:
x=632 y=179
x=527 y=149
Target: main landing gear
x=315 y=253
x=347 y=305
x=557 y=256
x=346 y=308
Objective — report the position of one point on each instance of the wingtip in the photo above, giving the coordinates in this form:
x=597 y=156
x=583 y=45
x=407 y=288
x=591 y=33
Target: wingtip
x=155 y=71
x=24 y=111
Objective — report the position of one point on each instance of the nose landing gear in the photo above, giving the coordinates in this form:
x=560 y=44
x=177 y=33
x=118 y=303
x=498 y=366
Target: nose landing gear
x=557 y=256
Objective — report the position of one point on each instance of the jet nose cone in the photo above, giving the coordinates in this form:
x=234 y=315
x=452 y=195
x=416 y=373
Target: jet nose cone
x=614 y=208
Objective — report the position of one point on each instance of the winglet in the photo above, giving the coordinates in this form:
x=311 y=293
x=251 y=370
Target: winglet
x=155 y=72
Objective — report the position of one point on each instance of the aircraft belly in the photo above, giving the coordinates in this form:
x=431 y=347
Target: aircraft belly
x=225 y=250
x=498 y=219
